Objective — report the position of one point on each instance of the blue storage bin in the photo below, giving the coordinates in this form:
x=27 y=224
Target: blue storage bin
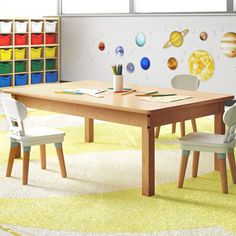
x=51 y=77
x=21 y=79
x=5 y=81
x=36 y=78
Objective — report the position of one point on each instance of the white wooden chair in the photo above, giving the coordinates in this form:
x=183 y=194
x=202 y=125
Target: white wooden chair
x=217 y=143
x=184 y=82
x=16 y=113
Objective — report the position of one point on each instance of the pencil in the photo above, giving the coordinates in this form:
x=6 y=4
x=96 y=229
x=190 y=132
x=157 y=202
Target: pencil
x=131 y=91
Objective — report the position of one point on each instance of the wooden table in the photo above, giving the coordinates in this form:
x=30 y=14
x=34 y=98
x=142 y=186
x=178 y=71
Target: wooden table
x=128 y=109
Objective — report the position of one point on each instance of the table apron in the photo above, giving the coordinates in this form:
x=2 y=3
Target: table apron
x=92 y=112
x=180 y=114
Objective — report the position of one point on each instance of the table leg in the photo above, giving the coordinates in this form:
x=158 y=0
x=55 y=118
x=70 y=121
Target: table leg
x=148 y=161
x=219 y=129
x=88 y=130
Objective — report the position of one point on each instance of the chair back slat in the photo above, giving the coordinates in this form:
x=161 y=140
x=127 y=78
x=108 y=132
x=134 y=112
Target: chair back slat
x=229 y=119
x=185 y=82
x=15 y=112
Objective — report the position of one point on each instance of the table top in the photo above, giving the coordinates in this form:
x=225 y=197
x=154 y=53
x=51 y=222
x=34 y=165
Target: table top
x=112 y=100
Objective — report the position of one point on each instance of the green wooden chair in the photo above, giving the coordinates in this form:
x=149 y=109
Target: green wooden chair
x=216 y=143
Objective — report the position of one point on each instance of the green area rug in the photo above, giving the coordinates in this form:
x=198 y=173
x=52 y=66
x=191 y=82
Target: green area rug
x=199 y=204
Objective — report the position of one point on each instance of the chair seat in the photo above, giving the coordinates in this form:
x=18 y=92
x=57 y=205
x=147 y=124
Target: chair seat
x=207 y=142
x=39 y=135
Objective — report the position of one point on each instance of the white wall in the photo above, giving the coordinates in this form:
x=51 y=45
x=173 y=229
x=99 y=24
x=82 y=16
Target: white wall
x=28 y=8
x=82 y=60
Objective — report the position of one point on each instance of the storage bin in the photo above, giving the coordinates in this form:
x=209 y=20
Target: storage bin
x=51 y=38
x=37 y=65
x=5 y=40
x=36 y=39
x=21 y=79
x=5 y=81
x=21 y=39
x=5 y=67
x=50 y=52
x=5 y=54
x=20 y=66
x=36 y=53
x=51 y=77
x=50 y=64
x=36 y=78
x=36 y=27
x=5 y=27
x=50 y=27
x=20 y=53
x=21 y=27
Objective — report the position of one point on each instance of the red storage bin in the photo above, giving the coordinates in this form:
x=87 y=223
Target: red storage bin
x=51 y=38
x=21 y=39
x=36 y=38
x=5 y=40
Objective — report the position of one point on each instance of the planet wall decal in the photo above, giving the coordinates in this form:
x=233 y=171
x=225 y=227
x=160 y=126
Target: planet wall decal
x=176 y=38
x=130 y=67
x=140 y=39
x=172 y=63
x=228 y=44
x=101 y=46
x=201 y=64
x=145 y=63
x=120 y=51
x=203 y=36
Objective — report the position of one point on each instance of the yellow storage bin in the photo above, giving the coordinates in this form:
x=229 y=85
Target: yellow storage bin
x=20 y=53
x=5 y=54
x=36 y=53
x=50 y=52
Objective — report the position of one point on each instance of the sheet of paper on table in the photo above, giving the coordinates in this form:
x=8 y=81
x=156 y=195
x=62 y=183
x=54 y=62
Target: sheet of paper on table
x=165 y=99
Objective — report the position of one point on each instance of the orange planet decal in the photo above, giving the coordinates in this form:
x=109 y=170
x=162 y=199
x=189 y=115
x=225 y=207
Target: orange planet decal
x=201 y=64
x=172 y=63
x=228 y=44
x=176 y=38
x=101 y=46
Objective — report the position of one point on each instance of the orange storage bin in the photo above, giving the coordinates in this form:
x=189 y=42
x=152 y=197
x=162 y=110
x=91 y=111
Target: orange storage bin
x=51 y=38
x=5 y=40
x=21 y=39
x=36 y=39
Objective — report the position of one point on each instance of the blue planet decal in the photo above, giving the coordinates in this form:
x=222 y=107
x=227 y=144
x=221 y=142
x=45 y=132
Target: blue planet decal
x=145 y=63
x=140 y=39
x=120 y=51
x=130 y=67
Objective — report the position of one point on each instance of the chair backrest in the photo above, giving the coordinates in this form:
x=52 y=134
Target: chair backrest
x=15 y=112
x=185 y=82
x=229 y=119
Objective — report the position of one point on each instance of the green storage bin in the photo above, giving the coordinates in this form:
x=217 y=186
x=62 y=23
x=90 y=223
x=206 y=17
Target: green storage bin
x=50 y=64
x=37 y=65
x=5 y=67
x=20 y=66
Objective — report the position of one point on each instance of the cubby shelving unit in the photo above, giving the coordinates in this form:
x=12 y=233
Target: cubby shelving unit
x=29 y=51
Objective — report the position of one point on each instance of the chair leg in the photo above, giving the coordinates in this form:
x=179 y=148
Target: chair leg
x=232 y=165
x=194 y=125
x=195 y=163
x=157 y=131
x=183 y=165
x=26 y=156
x=182 y=128
x=173 y=128
x=43 y=156
x=12 y=154
x=60 y=156
x=223 y=174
